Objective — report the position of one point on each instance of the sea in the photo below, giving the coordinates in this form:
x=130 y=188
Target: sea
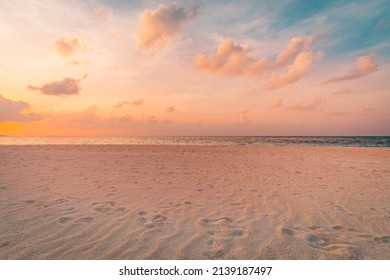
x=342 y=141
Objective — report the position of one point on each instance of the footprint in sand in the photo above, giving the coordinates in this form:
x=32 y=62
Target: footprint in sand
x=141 y=216
x=112 y=203
x=4 y=244
x=68 y=210
x=237 y=232
x=29 y=201
x=102 y=209
x=159 y=220
x=288 y=231
x=332 y=238
x=337 y=227
x=215 y=254
x=85 y=220
x=222 y=228
x=64 y=220
x=227 y=219
x=342 y=209
x=110 y=194
x=364 y=236
x=383 y=239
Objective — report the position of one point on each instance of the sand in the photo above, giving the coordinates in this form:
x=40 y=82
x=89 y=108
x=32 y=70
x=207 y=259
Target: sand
x=194 y=202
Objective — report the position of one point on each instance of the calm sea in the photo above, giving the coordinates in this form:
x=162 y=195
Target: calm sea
x=367 y=141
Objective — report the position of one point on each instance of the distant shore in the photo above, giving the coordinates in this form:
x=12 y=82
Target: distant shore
x=194 y=202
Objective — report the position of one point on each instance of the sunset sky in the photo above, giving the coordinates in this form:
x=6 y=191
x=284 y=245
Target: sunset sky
x=121 y=67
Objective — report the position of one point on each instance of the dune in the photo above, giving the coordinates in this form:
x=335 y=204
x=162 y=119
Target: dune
x=194 y=202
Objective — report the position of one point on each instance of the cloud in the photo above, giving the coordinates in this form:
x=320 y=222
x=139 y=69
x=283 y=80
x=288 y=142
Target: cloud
x=138 y=102
x=159 y=27
x=296 y=46
x=106 y=17
x=67 y=46
x=155 y=120
x=295 y=71
x=152 y=120
x=87 y=116
x=231 y=59
x=103 y=13
x=78 y=62
x=170 y=109
x=338 y=113
x=16 y=111
x=310 y=105
x=367 y=108
x=364 y=65
x=384 y=24
x=276 y=104
x=291 y=64
x=343 y=91
x=67 y=86
x=243 y=116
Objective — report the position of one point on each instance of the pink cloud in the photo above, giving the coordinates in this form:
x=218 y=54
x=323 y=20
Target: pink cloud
x=276 y=104
x=343 y=91
x=67 y=46
x=170 y=109
x=243 y=116
x=138 y=102
x=152 y=120
x=159 y=27
x=297 y=70
x=67 y=86
x=367 y=108
x=364 y=65
x=310 y=105
x=294 y=48
x=16 y=111
x=103 y=13
x=232 y=59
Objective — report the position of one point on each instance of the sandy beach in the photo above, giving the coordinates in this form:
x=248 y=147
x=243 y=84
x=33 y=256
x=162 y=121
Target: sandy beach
x=194 y=202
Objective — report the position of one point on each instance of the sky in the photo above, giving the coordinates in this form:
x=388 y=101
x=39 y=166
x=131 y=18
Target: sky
x=151 y=68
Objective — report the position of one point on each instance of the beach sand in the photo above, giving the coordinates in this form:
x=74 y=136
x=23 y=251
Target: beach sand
x=194 y=202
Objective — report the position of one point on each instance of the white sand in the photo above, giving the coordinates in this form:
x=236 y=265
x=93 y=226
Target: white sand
x=194 y=202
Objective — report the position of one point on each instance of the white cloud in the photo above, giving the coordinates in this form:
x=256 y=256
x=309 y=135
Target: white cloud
x=159 y=27
x=364 y=65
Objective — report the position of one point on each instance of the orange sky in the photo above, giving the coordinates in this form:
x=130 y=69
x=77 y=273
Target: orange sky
x=189 y=68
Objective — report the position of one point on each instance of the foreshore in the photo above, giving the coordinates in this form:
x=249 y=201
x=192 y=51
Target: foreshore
x=194 y=202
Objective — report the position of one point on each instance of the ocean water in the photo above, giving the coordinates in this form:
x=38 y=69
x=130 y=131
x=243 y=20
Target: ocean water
x=345 y=141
